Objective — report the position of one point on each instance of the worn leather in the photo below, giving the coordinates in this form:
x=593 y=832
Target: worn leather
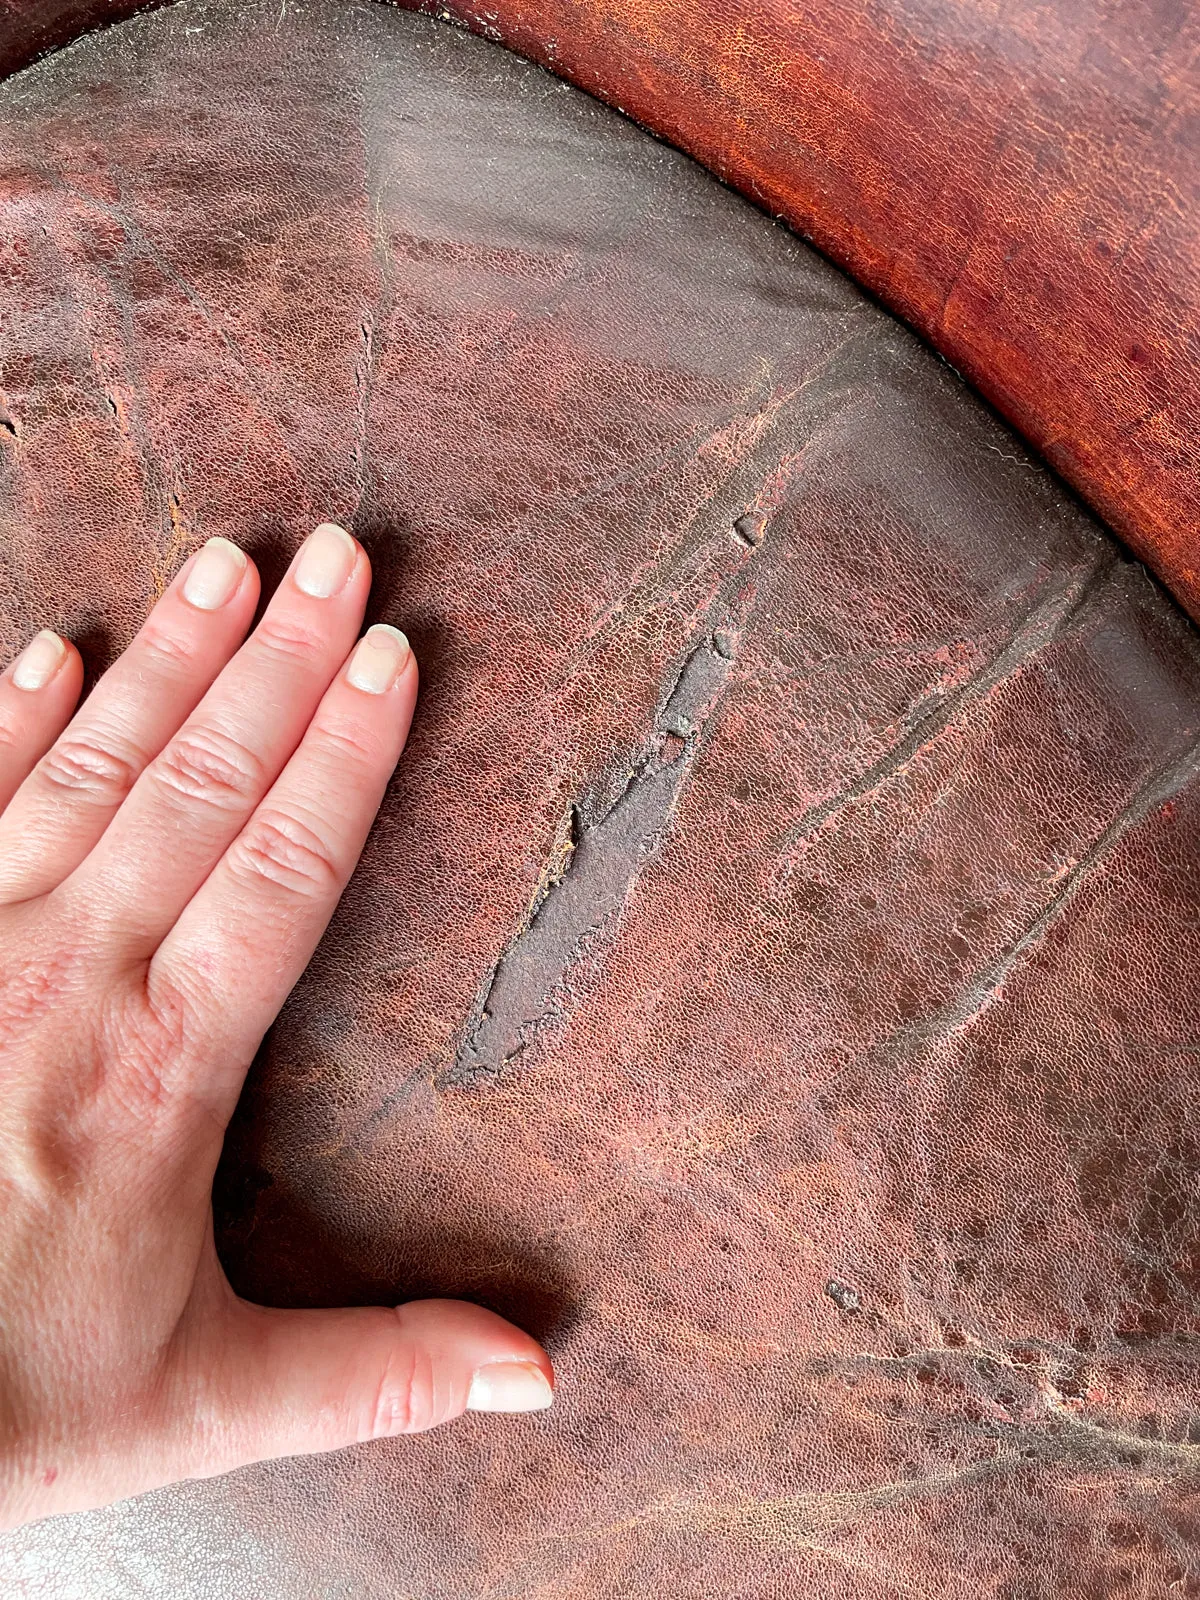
x=1020 y=182
x=773 y=977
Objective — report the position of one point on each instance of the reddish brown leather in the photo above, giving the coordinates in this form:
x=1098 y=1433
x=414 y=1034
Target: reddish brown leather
x=773 y=978
x=1021 y=184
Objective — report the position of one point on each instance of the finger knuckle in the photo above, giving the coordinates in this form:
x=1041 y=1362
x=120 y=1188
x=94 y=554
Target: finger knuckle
x=403 y=1401
x=282 y=849
x=349 y=744
x=167 y=648
x=290 y=640
x=211 y=767
x=90 y=768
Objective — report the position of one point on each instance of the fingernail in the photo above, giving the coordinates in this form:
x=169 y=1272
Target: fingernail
x=378 y=659
x=510 y=1386
x=215 y=575
x=326 y=561
x=39 y=661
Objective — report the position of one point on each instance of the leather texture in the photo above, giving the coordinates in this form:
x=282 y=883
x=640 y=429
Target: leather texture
x=32 y=28
x=1021 y=182
x=773 y=977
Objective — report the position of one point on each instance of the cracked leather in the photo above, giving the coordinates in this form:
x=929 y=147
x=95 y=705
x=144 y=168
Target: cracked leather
x=1021 y=183
x=773 y=976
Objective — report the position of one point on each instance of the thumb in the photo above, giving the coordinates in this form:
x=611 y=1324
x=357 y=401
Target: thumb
x=298 y=1382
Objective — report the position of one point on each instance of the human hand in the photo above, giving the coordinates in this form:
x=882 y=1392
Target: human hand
x=167 y=866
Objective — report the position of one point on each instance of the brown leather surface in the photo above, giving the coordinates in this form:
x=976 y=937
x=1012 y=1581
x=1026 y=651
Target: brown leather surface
x=1021 y=182
x=773 y=978
x=31 y=28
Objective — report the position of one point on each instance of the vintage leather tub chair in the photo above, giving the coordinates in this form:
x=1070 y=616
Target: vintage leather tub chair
x=784 y=932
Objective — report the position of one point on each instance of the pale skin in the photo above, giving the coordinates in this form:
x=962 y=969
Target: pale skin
x=170 y=854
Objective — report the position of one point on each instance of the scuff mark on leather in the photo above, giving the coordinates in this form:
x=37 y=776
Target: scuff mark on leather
x=965 y=1009
x=1062 y=1440
x=606 y=839
x=364 y=383
x=1053 y=615
x=600 y=850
